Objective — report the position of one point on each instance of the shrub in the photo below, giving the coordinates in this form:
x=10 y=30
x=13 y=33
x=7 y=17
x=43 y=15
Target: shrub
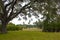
x=52 y=27
x=12 y=27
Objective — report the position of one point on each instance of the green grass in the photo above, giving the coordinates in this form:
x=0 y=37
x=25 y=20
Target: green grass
x=30 y=35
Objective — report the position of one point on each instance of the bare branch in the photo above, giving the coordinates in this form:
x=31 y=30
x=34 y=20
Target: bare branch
x=2 y=6
x=1 y=16
x=14 y=15
x=8 y=4
x=12 y=7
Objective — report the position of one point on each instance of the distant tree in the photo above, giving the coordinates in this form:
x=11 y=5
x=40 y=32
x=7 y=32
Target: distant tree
x=39 y=24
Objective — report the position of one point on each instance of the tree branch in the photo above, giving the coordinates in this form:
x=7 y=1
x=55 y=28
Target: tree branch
x=3 y=7
x=14 y=15
x=12 y=7
x=8 y=4
x=3 y=16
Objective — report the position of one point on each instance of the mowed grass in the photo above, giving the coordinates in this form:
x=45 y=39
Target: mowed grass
x=30 y=35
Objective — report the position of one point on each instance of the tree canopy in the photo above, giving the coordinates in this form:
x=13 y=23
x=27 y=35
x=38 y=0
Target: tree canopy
x=10 y=9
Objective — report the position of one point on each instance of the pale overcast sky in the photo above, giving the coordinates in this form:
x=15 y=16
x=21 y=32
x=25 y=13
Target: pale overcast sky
x=16 y=21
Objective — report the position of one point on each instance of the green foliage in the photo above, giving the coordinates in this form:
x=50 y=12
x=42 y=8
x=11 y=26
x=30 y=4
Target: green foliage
x=49 y=9
x=12 y=27
x=39 y=24
x=52 y=27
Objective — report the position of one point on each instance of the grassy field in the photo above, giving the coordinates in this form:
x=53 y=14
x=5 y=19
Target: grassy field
x=30 y=35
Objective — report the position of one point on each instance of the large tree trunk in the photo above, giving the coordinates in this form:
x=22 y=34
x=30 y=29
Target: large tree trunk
x=3 y=27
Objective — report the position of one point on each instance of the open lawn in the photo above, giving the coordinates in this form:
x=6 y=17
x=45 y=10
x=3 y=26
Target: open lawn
x=30 y=35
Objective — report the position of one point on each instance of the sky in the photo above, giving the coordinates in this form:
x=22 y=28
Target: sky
x=16 y=21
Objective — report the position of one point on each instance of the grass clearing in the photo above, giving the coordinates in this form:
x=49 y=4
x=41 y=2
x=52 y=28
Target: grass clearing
x=30 y=35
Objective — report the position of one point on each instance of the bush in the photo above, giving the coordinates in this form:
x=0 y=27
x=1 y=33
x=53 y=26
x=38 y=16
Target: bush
x=13 y=27
x=52 y=27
